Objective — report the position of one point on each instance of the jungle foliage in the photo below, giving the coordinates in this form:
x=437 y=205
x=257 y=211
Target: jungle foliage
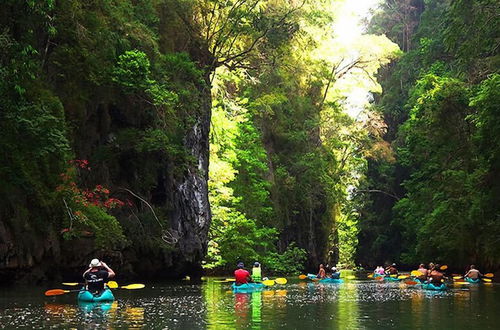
x=440 y=101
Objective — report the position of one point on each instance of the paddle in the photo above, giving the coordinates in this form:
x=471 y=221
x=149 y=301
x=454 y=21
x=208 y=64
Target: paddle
x=58 y=292
x=457 y=277
x=281 y=280
x=490 y=275
x=370 y=275
x=443 y=267
x=114 y=285
x=402 y=277
x=410 y=282
x=302 y=277
x=416 y=273
x=72 y=284
x=268 y=282
x=487 y=280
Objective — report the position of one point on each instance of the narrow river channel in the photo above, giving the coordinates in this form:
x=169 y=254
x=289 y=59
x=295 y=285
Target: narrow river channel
x=355 y=304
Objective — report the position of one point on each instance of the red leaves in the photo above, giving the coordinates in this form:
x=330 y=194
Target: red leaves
x=98 y=196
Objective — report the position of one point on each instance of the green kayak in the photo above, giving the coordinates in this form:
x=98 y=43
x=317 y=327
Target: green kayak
x=87 y=296
x=435 y=287
x=247 y=287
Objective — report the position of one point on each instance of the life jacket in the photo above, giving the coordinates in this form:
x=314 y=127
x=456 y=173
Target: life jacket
x=256 y=274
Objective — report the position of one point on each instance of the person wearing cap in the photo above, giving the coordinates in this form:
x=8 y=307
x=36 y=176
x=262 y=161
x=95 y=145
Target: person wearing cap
x=335 y=273
x=391 y=270
x=256 y=272
x=97 y=275
x=241 y=275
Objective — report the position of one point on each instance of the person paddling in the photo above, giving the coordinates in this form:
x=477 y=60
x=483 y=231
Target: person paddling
x=473 y=273
x=97 y=275
x=241 y=275
x=321 y=272
x=436 y=276
x=424 y=272
x=256 y=272
x=392 y=270
x=335 y=273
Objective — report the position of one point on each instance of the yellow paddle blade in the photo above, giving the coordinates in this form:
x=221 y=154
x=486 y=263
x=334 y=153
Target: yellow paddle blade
x=461 y=282
x=112 y=285
x=489 y=275
x=416 y=273
x=281 y=280
x=72 y=284
x=268 y=282
x=443 y=267
x=486 y=279
x=133 y=286
x=457 y=277
x=394 y=275
x=370 y=276
x=302 y=277
x=350 y=277
x=403 y=276
x=410 y=282
x=230 y=280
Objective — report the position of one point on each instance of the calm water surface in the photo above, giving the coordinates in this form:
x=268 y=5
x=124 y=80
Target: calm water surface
x=356 y=304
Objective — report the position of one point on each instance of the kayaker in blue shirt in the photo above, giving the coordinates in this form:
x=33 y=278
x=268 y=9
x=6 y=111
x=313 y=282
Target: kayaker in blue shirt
x=97 y=275
x=335 y=273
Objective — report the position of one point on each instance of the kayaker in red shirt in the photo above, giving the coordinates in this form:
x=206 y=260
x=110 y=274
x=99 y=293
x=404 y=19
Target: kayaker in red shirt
x=241 y=275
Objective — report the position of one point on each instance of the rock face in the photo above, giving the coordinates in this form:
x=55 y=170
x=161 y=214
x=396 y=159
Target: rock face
x=74 y=99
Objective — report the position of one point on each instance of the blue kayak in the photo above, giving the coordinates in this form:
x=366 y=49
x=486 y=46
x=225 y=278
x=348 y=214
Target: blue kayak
x=391 y=279
x=331 y=280
x=87 y=296
x=472 y=280
x=247 y=287
x=435 y=287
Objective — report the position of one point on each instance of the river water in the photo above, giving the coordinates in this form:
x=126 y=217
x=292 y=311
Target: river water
x=355 y=304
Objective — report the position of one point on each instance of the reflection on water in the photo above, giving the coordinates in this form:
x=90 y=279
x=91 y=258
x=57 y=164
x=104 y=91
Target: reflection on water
x=297 y=305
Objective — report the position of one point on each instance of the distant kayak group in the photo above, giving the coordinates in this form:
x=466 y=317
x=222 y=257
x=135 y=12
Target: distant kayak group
x=431 y=277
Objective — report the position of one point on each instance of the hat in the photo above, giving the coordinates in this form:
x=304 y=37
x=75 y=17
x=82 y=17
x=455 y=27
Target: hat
x=95 y=263
x=334 y=269
x=240 y=265
x=256 y=264
x=394 y=264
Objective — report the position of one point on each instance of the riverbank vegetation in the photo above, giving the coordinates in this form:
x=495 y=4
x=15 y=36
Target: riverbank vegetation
x=440 y=197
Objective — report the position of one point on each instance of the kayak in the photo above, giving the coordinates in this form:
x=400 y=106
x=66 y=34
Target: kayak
x=105 y=295
x=472 y=280
x=331 y=280
x=432 y=286
x=247 y=287
x=391 y=279
x=377 y=275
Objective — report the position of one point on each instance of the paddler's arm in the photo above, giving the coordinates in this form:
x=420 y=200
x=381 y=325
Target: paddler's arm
x=88 y=270
x=111 y=273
